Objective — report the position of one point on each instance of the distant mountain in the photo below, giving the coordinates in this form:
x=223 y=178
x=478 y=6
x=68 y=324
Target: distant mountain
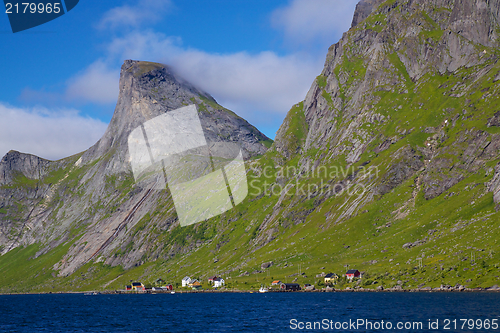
x=390 y=166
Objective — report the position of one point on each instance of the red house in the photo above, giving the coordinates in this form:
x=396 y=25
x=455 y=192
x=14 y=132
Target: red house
x=352 y=273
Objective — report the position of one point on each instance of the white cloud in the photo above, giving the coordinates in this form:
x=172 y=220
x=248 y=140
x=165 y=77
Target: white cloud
x=46 y=133
x=241 y=81
x=98 y=84
x=314 y=21
x=134 y=15
x=264 y=81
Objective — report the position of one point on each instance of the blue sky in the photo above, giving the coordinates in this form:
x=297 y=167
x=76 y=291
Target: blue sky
x=257 y=58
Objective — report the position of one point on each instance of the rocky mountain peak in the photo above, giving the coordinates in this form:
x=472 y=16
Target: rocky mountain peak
x=363 y=9
x=16 y=163
x=149 y=89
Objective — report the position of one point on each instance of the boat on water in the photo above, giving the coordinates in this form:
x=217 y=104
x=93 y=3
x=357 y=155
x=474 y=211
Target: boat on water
x=263 y=290
x=172 y=292
x=91 y=293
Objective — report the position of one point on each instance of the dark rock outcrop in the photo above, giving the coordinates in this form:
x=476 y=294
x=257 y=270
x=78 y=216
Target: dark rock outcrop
x=406 y=163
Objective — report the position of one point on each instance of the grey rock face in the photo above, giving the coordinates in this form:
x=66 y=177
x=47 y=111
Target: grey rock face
x=15 y=163
x=465 y=25
x=494 y=185
x=408 y=164
x=266 y=265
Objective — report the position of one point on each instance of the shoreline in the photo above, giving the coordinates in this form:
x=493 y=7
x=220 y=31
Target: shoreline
x=149 y=292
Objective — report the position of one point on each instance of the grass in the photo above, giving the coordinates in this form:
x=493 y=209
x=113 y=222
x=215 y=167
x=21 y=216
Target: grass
x=21 y=181
x=146 y=67
x=321 y=81
x=267 y=143
x=29 y=274
x=396 y=61
x=376 y=22
x=296 y=130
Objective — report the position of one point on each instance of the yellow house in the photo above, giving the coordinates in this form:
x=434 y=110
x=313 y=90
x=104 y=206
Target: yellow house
x=331 y=278
x=138 y=286
x=195 y=285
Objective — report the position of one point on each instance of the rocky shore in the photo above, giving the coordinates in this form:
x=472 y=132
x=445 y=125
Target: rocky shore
x=442 y=288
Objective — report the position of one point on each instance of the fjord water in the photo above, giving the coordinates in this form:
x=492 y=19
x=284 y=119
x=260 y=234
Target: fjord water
x=234 y=312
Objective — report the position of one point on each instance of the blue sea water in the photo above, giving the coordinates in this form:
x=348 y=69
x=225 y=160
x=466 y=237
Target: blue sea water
x=245 y=312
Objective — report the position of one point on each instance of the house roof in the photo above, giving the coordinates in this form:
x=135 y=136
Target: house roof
x=218 y=279
x=330 y=275
x=137 y=284
x=186 y=278
x=196 y=283
x=352 y=271
x=291 y=284
x=276 y=281
x=212 y=277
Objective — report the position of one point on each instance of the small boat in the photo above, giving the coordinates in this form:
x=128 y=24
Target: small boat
x=263 y=290
x=172 y=292
x=91 y=293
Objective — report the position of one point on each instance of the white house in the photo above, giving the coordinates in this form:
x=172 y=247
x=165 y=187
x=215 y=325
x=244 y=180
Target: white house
x=218 y=282
x=186 y=281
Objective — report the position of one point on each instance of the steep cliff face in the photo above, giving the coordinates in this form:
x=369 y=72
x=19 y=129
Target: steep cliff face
x=90 y=200
x=376 y=88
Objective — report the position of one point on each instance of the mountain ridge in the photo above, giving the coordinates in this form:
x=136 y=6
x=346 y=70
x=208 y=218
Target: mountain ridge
x=101 y=176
